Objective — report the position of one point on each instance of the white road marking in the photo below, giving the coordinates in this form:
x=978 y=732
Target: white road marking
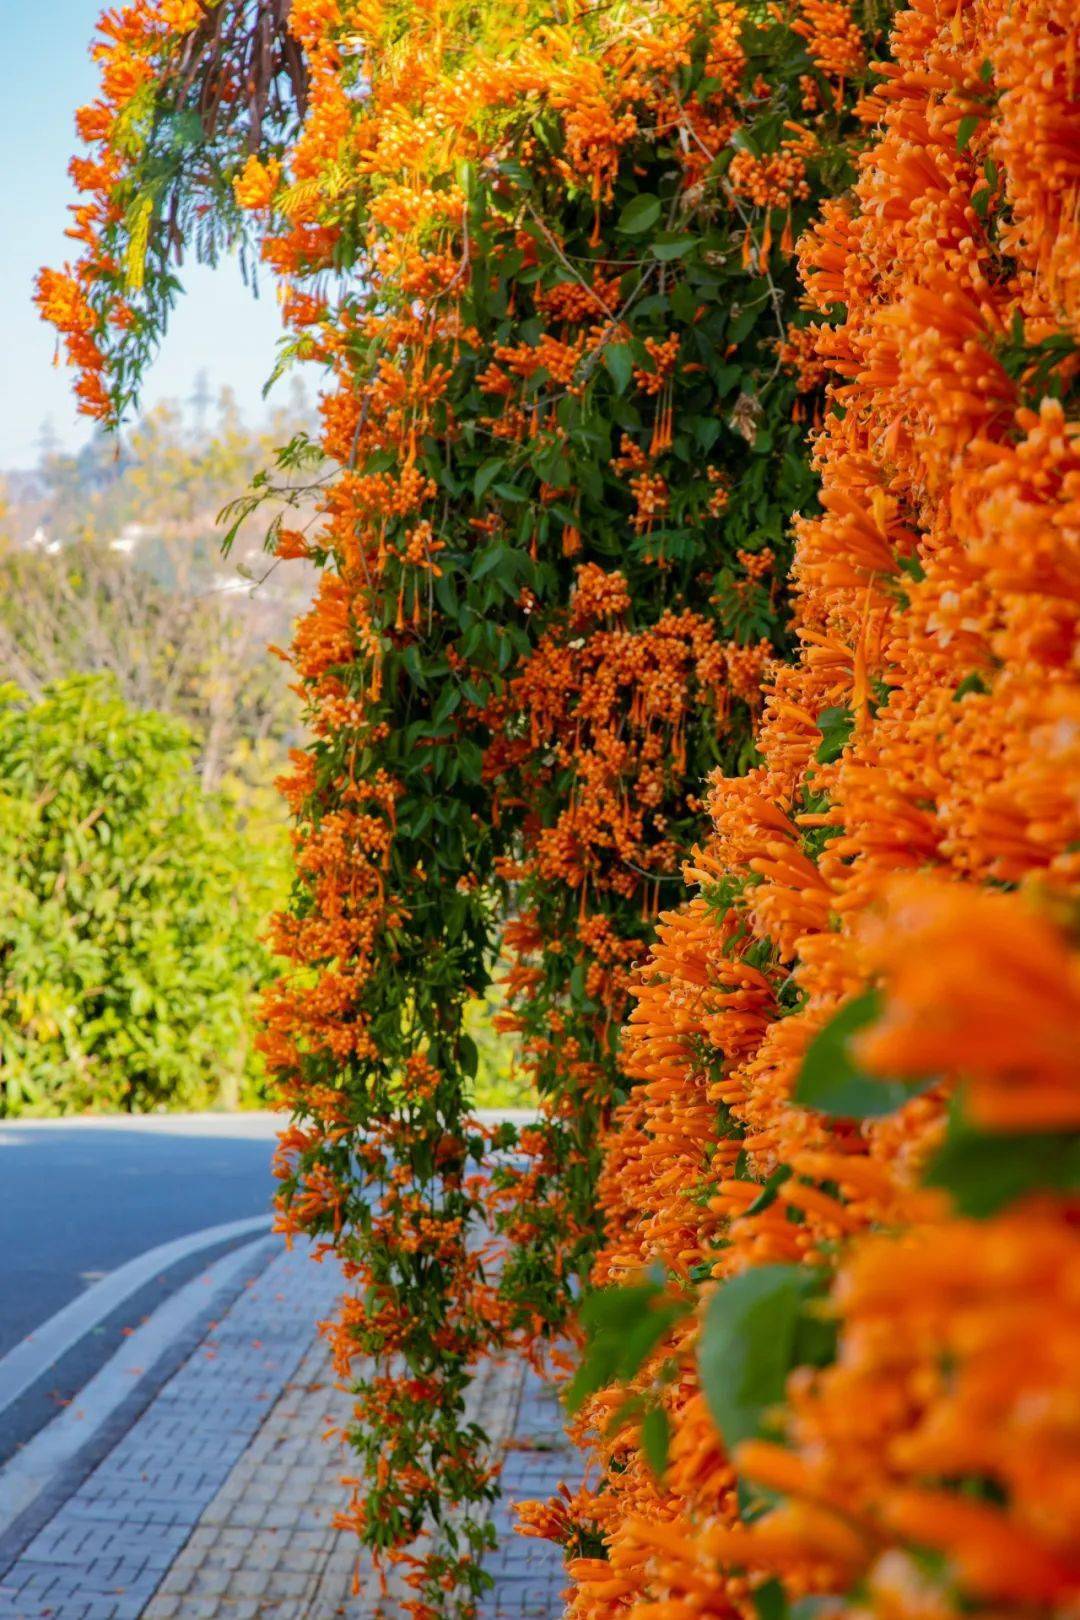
x=38 y=1463
x=33 y=1357
x=256 y=1124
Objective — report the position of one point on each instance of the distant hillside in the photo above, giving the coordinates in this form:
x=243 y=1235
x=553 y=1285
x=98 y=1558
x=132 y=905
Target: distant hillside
x=111 y=560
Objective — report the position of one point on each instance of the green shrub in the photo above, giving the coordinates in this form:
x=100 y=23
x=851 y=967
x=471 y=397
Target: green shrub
x=498 y=1082
x=130 y=908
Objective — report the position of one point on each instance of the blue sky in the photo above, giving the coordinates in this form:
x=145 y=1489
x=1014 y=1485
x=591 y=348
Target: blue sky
x=218 y=327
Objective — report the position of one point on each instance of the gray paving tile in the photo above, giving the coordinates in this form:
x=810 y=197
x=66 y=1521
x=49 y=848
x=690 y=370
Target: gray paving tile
x=219 y=1501
x=118 y=1537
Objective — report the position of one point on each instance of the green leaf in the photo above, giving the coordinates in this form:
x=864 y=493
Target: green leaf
x=725 y=378
x=448 y=701
x=685 y=301
x=491 y=560
x=486 y=475
x=744 y=322
x=622 y=1326
x=767 y=1196
x=640 y=214
x=836 y=728
x=750 y=1340
x=770 y=1601
x=912 y=566
x=553 y=467
x=619 y=361
x=966 y=129
x=470 y=760
x=742 y=141
x=972 y=682
x=706 y=432
x=628 y=1409
x=829 y=1080
x=184 y=129
x=984 y=1170
x=656 y=1439
x=470 y=1055
x=672 y=247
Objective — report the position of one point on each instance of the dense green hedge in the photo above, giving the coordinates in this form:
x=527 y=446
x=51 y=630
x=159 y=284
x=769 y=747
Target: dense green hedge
x=130 y=909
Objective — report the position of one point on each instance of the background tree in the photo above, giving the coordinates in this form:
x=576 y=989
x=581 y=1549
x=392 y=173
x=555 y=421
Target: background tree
x=130 y=909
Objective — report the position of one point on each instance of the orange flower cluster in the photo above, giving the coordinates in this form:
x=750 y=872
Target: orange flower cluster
x=907 y=849
x=612 y=706
x=607 y=708
x=129 y=43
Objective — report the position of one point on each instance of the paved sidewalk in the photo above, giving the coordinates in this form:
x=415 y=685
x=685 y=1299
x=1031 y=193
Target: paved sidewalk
x=218 y=1501
x=529 y=1574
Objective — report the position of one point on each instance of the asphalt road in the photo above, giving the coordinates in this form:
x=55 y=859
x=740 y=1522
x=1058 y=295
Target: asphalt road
x=79 y=1198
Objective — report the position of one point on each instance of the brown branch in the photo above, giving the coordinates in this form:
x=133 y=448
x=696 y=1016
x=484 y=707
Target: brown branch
x=245 y=44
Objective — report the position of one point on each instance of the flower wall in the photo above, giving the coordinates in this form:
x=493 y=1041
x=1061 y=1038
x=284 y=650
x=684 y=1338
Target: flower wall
x=563 y=657
x=857 y=1091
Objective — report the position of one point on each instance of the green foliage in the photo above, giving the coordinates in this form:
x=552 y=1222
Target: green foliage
x=757 y=1327
x=129 y=908
x=1041 y=367
x=656 y=1439
x=836 y=726
x=983 y=1171
x=832 y=1082
x=496 y=1083
x=623 y=1326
